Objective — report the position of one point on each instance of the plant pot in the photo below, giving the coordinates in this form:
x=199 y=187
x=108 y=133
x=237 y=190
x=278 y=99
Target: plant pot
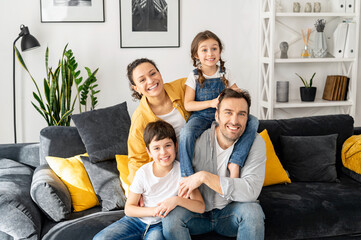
x=308 y=94
x=320 y=45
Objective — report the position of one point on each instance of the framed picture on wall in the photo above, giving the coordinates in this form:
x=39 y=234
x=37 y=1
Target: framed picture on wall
x=72 y=10
x=149 y=23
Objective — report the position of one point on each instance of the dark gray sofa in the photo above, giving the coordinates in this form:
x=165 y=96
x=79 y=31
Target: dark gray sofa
x=300 y=210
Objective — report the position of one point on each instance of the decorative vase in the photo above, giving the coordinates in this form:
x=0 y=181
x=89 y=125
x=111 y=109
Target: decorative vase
x=308 y=94
x=320 y=48
x=282 y=90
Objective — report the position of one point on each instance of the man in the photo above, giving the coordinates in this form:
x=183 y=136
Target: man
x=232 y=208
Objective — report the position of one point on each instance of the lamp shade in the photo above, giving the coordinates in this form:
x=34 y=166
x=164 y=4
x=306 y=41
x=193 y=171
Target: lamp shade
x=28 y=41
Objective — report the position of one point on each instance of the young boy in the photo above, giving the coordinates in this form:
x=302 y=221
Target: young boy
x=158 y=183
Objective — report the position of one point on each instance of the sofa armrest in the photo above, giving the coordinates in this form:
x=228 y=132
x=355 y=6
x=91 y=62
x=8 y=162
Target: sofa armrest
x=357 y=131
x=27 y=153
x=50 y=194
x=21 y=218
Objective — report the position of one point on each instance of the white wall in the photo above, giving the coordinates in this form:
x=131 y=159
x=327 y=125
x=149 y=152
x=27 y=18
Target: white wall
x=98 y=45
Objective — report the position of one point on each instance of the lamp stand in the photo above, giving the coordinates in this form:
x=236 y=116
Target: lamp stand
x=14 y=101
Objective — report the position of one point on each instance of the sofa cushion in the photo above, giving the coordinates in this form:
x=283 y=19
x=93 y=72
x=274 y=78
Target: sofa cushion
x=73 y=174
x=81 y=227
x=303 y=210
x=21 y=217
x=341 y=124
x=275 y=172
x=310 y=158
x=122 y=166
x=104 y=131
x=60 y=141
x=104 y=177
x=50 y=194
x=27 y=153
x=351 y=157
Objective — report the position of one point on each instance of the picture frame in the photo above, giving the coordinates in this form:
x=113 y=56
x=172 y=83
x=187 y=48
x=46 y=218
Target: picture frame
x=53 y=11
x=149 y=23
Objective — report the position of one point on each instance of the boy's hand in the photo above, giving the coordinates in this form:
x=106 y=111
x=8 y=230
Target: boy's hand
x=166 y=206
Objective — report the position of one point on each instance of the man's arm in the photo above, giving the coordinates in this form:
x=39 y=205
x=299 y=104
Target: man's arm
x=248 y=187
x=243 y=189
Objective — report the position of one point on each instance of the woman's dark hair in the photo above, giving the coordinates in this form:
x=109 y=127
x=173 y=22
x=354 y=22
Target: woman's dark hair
x=157 y=131
x=130 y=69
x=200 y=37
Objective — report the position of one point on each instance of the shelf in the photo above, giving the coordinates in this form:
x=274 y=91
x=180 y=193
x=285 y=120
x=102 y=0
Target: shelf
x=312 y=60
x=316 y=103
x=274 y=27
x=321 y=14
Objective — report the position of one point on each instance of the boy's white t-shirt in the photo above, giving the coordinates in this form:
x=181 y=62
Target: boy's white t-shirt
x=191 y=80
x=155 y=189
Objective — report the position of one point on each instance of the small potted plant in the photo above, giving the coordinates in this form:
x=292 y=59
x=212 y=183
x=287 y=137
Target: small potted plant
x=308 y=93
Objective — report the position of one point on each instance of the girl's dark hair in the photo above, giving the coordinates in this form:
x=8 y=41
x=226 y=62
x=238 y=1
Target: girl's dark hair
x=130 y=69
x=158 y=130
x=200 y=37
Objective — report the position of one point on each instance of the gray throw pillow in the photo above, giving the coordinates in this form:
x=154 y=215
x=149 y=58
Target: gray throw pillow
x=104 y=177
x=50 y=194
x=21 y=218
x=310 y=158
x=104 y=131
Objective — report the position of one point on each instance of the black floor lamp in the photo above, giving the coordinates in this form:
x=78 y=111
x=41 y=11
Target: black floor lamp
x=28 y=42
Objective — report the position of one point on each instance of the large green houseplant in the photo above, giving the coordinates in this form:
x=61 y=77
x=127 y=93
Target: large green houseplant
x=57 y=104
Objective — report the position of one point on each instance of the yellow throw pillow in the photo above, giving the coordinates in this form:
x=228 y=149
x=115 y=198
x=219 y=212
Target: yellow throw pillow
x=351 y=153
x=122 y=165
x=72 y=172
x=275 y=172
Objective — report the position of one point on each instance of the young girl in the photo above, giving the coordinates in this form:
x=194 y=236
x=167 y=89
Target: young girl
x=203 y=86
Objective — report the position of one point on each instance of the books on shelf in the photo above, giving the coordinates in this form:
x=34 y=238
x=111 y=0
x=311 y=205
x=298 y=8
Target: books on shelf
x=336 y=88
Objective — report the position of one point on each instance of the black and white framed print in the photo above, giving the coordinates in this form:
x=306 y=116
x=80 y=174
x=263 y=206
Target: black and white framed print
x=72 y=10
x=149 y=23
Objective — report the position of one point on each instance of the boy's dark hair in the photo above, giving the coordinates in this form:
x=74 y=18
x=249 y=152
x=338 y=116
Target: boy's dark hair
x=130 y=68
x=158 y=130
x=230 y=93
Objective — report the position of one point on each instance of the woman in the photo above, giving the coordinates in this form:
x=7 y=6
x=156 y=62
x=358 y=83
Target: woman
x=157 y=101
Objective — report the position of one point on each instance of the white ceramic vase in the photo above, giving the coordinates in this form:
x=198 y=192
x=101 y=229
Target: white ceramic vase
x=320 y=45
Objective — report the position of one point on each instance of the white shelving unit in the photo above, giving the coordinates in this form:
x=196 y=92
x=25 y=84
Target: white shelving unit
x=273 y=69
